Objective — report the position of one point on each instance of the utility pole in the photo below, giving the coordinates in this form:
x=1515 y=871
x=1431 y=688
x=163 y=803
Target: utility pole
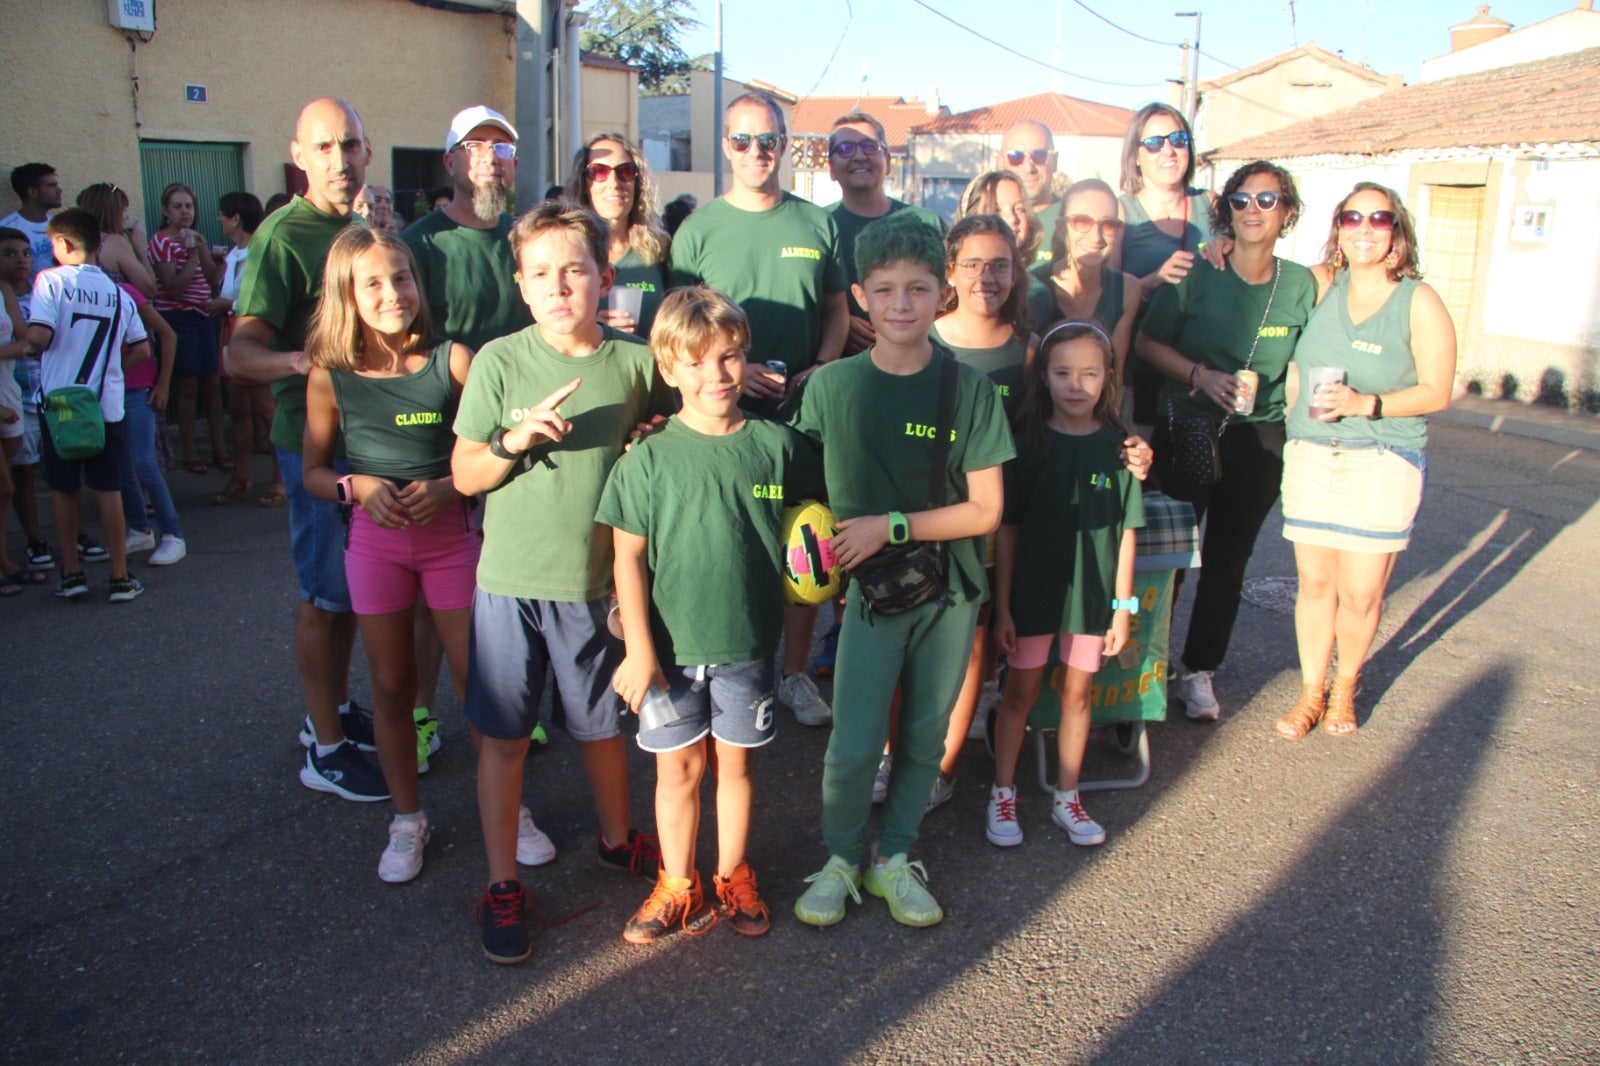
x=533 y=94
x=1192 y=95
x=716 y=100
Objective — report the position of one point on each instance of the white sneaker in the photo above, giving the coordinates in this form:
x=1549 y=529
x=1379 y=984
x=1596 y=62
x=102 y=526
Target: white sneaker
x=1199 y=702
x=799 y=693
x=140 y=541
x=171 y=550
x=533 y=847
x=1001 y=825
x=402 y=859
x=1069 y=814
x=943 y=789
x=988 y=701
x=880 y=781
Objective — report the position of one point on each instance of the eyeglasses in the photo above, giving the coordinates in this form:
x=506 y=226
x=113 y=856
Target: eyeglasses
x=1179 y=139
x=973 y=269
x=1382 y=221
x=628 y=172
x=1266 y=201
x=846 y=149
x=767 y=142
x=1109 y=227
x=501 y=149
x=1040 y=156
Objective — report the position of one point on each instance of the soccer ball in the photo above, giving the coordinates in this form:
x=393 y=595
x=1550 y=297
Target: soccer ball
x=811 y=572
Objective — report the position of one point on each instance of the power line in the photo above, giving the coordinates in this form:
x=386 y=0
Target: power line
x=1031 y=59
x=1151 y=40
x=850 y=15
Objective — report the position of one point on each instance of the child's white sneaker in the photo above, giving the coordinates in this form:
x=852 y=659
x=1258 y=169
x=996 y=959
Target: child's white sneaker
x=402 y=859
x=1001 y=825
x=880 y=780
x=534 y=848
x=799 y=693
x=1069 y=814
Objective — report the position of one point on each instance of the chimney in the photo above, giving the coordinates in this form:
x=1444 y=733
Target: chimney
x=931 y=108
x=1481 y=27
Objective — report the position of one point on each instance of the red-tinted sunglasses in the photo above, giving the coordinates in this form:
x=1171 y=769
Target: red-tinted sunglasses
x=628 y=172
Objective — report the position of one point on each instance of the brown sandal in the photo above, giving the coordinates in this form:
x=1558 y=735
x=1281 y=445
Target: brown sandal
x=1303 y=717
x=1341 y=716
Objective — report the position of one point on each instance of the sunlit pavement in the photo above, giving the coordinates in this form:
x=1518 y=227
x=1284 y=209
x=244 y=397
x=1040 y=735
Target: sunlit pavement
x=1420 y=892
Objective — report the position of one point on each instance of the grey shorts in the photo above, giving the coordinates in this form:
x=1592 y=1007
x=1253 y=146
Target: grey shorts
x=732 y=702
x=514 y=642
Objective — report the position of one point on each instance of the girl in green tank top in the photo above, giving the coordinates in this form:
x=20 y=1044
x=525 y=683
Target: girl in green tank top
x=378 y=380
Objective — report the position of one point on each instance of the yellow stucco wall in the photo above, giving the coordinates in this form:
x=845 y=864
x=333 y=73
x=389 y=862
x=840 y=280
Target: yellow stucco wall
x=70 y=97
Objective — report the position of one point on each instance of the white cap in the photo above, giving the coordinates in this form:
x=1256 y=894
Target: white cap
x=470 y=119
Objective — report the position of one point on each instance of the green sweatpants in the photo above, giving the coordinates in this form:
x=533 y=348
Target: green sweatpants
x=925 y=651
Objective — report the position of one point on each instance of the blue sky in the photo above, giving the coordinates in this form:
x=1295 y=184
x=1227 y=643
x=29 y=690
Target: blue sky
x=907 y=50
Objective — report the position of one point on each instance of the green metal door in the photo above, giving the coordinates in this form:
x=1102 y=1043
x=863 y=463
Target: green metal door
x=209 y=169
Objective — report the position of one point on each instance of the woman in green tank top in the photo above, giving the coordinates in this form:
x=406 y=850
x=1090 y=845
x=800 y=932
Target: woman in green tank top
x=610 y=178
x=1378 y=354
x=1079 y=285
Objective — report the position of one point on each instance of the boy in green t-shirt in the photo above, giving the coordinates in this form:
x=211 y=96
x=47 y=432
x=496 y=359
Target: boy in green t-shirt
x=874 y=416
x=697 y=515
x=544 y=577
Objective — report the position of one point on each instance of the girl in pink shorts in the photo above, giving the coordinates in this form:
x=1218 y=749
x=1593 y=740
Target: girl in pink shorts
x=383 y=383
x=1065 y=562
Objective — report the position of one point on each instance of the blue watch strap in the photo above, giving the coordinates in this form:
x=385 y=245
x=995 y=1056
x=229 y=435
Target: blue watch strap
x=1131 y=605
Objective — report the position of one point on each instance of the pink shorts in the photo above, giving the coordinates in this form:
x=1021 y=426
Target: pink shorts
x=384 y=567
x=1077 y=650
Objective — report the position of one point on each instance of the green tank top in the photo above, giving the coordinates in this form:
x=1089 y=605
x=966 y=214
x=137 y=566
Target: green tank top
x=399 y=428
x=1045 y=312
x=1376 y=359
x=1002 y=364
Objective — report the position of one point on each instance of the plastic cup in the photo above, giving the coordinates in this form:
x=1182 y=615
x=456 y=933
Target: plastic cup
x=1317 y=377
x=628 y=300
x=657 y=710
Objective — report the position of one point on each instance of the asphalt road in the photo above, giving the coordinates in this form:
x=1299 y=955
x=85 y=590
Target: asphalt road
x=1421 y=892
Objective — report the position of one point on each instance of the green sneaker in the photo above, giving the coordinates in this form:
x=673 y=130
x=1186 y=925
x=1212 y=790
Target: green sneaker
x=539 y=738
x=904 y=887
x=428 y=741
x=823 y=903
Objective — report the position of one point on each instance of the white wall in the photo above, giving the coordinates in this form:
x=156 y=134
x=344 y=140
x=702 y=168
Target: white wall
x=1570 y=31
x=1547 y=291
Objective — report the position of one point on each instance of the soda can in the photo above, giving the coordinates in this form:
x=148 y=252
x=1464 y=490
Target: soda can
x=1245 y=397
x=777 y=366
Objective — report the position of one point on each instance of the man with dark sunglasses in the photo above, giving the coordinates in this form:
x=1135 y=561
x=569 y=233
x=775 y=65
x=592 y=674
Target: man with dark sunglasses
x=858 y=160
x=464 y=264
x=779 y=258
x=1028 y=150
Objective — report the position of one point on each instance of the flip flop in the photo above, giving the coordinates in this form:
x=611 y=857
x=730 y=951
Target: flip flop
x=225 y=463
x=195 y=466
x=230 y=492
x=272 y=498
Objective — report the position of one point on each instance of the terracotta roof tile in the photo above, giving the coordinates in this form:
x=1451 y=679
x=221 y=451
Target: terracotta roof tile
x=815 y=114
x=1310 y=48
x=1543 y=102
x=1065 y=115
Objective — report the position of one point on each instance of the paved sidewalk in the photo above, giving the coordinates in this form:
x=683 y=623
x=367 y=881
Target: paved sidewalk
x=1551 y=424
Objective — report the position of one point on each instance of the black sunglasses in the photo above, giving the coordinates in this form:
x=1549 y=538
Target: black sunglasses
x=1177 y=138
x=1040 y=156
x=846 y=149
x=1239 y=201
x=767 y=142
x=1382 y=221
x=628 y=172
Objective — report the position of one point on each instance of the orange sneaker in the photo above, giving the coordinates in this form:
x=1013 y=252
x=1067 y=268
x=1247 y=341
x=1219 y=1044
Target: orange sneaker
x=674 y=902
x=740 y=901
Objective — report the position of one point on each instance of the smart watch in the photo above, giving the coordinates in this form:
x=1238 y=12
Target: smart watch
x=344 y=488
x=1131 y=605
x=899 y=528
x=497 y=445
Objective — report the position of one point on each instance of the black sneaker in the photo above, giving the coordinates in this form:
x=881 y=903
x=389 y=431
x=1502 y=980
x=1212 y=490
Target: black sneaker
x=499 y=915
x=71 y=586
x=356 y=723
x=345 y=773
x=124 y=589
x=640 y=855
x=39 y=557
x=90 y=552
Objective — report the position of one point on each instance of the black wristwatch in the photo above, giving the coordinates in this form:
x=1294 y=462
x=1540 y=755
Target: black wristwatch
x=1377 y=407
x=497 y=445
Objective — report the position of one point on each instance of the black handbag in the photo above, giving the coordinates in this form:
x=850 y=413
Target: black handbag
x=1195 y=462
x=901 y=577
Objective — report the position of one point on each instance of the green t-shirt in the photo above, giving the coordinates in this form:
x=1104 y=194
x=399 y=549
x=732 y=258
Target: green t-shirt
x=777 y=265
x=540 y=541
x=876 y=433
x=850 y=226
x=650 y=280
x=1002 y=365
x=712 y=510
x=1071 y=504
x=1048 y=218
x=281 y=283
x=1212 y=316
x=467 y=277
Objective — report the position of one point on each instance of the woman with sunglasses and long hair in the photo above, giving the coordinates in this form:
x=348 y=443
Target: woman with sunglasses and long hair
x=1378 y=354
x=610 y=178
x=1080 y=286
x=1167 y=219
x=1224 y=338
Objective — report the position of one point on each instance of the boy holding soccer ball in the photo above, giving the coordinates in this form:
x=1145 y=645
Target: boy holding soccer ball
x=696 y=512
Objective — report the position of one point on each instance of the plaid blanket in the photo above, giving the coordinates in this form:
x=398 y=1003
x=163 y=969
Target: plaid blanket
x=1170 y=539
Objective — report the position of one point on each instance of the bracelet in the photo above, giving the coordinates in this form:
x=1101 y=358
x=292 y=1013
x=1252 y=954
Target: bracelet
x=1194 y=389
x=1377 y=407
x=497 y=445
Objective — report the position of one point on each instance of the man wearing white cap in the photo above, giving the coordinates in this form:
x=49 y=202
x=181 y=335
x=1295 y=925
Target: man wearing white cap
x=467 y=273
